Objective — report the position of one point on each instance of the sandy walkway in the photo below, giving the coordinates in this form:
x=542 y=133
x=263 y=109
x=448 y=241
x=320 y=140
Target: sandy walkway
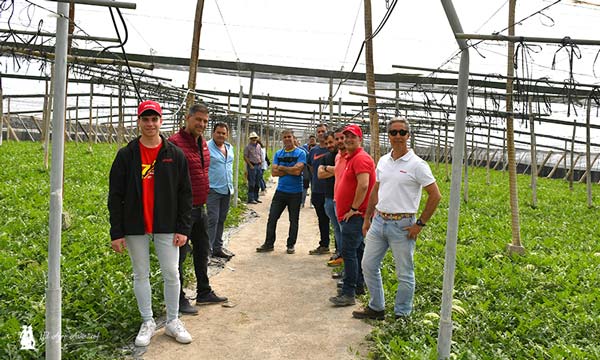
x=281 y=303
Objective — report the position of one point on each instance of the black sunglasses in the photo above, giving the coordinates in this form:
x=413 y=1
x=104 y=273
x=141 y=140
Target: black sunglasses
x=396 y=132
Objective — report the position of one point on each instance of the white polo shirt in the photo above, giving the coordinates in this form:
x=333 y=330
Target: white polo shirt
x=401 y=182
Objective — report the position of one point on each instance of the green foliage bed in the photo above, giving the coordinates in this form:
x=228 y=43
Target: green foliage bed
x=99 y=310
x=543 y=305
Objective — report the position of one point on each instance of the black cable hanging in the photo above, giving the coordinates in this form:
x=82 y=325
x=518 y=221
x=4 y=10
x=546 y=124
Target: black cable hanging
x=122 y=46
x=570 y=86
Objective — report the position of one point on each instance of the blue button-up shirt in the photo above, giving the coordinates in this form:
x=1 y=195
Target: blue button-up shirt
x=220 y=172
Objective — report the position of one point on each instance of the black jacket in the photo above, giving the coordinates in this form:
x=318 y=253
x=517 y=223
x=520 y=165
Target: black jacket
x=172 y=192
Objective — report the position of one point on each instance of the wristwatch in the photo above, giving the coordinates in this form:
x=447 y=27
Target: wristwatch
x=420 y=223
x=353 y=209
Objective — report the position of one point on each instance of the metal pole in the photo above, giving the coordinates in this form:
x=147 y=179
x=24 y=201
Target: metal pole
x=237 y=148
x=267 y=133
x=47 y=115
x=53 y=294
x=533 y=157
x=572 y=167
x=1 y=112
x=110 y=3
x=588 y=164
x=445 y=328
x=90 y=139
x=529 y=39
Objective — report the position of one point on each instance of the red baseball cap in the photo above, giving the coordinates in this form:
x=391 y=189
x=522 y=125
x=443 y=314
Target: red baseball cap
x=149 y=105
x=354 y=129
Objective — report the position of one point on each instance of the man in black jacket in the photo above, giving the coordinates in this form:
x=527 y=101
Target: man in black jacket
x=150 y=197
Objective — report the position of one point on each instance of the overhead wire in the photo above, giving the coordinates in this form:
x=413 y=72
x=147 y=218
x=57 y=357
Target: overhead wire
x=388 y=13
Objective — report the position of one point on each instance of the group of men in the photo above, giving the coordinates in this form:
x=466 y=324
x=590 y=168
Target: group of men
x=370 y=208
x=160 y=189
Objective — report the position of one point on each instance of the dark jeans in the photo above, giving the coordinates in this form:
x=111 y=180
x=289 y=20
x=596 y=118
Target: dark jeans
x=218 y=206
x=318 y=200
x=278 y=204
x=254 y=173
x=352 y=252
x=200 y=251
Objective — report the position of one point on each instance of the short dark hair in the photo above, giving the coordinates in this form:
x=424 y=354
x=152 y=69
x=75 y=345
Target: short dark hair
x=338 y=130
x=220 y=124
x=328 y=134
x=399 y=120
x=312 y=136
x=287 y=131
x=323 y=124
x=198 y=108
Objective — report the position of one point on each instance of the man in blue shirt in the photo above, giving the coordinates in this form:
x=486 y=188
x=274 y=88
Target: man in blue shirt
x=287 y=165
x=220 y=177
x=319 y=186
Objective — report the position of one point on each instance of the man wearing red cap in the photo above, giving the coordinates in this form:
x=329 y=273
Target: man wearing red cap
x=194 y=146
x=351 y=198
x=149 y=197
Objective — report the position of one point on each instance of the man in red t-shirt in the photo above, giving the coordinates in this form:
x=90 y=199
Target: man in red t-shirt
x=149 y=199
x=351 y=197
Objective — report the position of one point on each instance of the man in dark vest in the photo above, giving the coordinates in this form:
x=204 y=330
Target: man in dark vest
x=190 y=140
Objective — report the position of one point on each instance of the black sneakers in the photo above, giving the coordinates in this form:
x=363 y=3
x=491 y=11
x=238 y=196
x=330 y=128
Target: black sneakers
x=368 y=313
x=265 y=248
x=210 y=298
x=186 y=308
x=343 y=300
x=290 y=250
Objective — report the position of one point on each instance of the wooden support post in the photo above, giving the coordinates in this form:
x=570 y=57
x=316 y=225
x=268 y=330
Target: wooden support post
x=587 y=171
x=25 y=127
x=571 y=171
x=564 y=155
x=9 y=130
x=541 y=167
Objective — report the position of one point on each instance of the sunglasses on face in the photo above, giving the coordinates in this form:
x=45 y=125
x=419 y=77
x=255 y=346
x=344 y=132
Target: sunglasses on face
x=402 y=132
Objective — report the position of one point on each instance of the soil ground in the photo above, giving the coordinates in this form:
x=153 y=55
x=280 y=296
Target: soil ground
x=279 y=307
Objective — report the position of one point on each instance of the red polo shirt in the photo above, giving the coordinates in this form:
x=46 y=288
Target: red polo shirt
x=357 y=163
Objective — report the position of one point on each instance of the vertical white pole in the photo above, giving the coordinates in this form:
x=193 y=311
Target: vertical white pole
x=53 y=295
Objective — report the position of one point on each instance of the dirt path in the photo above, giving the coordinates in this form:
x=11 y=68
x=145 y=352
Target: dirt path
x=281 y=308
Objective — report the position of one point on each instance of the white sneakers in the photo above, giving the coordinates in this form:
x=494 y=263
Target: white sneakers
x=175 y=328
x=146 y=333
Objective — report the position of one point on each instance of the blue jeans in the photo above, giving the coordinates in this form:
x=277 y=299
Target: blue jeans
x=261 y=180
x=217 y=206
x=280 y=201
x=138 y=247
x=331 y=213
x=352 y=252
x=383 y=234
x=254 y=173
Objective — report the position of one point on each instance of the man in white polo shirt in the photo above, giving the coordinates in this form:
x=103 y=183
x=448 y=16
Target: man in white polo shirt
x=391 y=221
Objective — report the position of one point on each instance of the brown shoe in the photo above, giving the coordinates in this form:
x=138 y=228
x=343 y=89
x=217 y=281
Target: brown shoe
x=368 y=313
x=321 y=250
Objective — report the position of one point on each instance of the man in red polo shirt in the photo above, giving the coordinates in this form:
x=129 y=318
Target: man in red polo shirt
x=351 y=197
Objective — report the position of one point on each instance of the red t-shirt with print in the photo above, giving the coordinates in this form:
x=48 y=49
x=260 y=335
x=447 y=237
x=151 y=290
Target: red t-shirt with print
x=357 y=163
x=148 y=156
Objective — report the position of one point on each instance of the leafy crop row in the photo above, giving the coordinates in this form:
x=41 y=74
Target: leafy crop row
x=542 y=305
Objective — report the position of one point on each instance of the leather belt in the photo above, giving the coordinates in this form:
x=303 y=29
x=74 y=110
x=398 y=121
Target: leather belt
x=397 y=216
